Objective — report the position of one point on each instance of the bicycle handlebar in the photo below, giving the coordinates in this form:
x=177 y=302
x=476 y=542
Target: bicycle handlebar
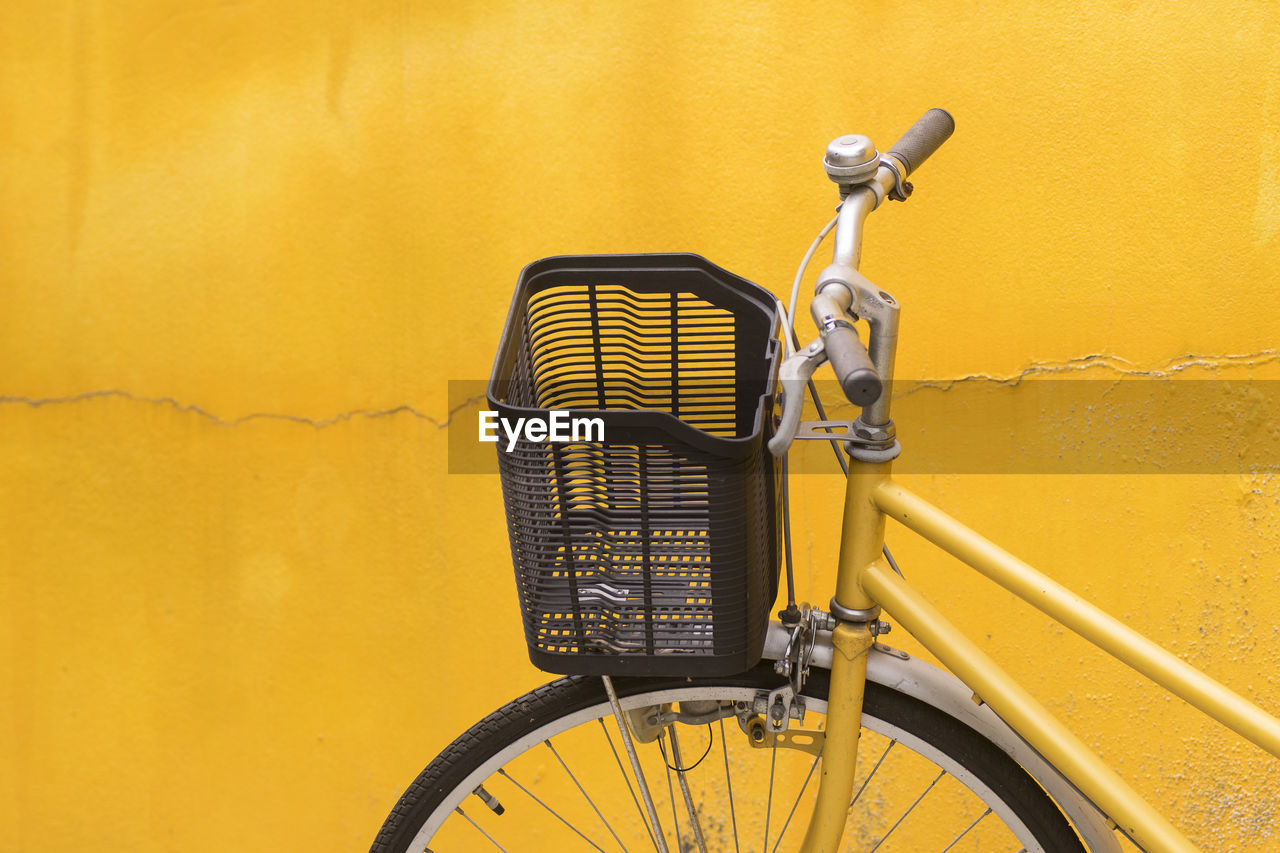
x=858 y=375
x=843 y=295
x=923 y=138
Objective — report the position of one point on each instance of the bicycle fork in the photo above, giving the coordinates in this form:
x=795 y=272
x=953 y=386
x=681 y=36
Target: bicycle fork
x=861 y=541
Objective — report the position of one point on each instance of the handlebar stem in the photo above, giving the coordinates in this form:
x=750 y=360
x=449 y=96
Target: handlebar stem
x=841 y=288
x=883 y=349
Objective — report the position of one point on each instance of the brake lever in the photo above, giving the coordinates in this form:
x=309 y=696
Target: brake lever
x=794 y=375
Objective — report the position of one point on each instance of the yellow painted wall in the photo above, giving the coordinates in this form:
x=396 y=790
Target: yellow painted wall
x=243 y=247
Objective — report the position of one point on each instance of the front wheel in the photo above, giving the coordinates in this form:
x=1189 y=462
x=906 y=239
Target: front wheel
x=549 y=772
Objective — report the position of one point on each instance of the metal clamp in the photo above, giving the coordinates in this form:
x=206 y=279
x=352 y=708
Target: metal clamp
x=768 y=713
x=778 y=713
x=849 y=614
x=809 y=741
x=873 y=454
x=824 y=431
x=901 y=188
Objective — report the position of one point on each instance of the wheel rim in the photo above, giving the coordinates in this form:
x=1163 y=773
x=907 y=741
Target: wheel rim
x=877 y=821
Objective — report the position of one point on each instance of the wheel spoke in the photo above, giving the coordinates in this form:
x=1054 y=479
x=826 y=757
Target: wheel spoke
x=554 y=813
x=773 y=760
x=481 y=831
x=590 y=802
x=966 y=831
x=618 y=758
x=910 y=809
x=866 y=781
x=733 y=818
x=671 y=794
x=684 y=790
x=796 y=804
x=658 y=836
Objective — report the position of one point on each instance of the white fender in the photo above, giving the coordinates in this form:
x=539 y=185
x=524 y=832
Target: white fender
x=942 y=690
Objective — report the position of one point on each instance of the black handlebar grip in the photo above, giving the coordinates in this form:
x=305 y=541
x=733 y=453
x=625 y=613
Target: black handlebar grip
x=923 y=138
x=853 y=367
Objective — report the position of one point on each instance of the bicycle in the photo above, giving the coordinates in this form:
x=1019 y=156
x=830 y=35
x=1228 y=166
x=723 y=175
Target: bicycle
x=657 y=693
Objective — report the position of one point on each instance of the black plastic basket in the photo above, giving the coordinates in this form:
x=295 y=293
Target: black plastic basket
x=650 y=549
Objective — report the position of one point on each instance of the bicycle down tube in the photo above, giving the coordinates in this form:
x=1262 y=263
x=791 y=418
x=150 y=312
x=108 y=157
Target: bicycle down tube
x=866 y=583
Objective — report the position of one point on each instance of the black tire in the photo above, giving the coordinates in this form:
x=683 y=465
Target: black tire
x=889 y=709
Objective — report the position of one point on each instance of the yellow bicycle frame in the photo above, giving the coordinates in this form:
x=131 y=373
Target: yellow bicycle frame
x=865 y=581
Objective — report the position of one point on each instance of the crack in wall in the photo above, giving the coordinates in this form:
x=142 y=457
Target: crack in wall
x=216 y=420
x=1117 y=364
